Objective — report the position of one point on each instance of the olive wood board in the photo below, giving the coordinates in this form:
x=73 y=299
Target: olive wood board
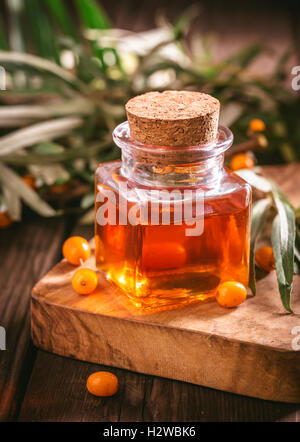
x=247 y=350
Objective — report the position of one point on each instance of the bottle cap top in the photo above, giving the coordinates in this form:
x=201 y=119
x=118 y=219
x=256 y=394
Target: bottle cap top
x=173 y=118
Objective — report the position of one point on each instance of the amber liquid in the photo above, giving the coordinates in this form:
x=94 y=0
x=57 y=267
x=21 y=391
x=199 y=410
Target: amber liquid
x=159 y=266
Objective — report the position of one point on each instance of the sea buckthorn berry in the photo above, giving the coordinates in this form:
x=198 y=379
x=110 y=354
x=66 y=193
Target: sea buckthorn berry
x=58 y=189
x=242 y=161
x=30 y=181
x=76 y=249
x=5 y=220
x=102 y=384
x=84 y=281
x=257 y=125
x=264 y=258
x=167 y=255
x=231 y=294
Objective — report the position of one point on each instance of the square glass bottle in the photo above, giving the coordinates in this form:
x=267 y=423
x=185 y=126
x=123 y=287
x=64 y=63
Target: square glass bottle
x=171 y=222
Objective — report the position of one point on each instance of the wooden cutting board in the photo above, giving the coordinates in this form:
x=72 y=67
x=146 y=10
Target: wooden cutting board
x=250 y=350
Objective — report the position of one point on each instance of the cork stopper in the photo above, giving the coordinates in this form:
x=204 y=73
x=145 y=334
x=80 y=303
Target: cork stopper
x=173 y=118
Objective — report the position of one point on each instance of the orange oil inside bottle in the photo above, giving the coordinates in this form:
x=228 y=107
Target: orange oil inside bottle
x=159 y=266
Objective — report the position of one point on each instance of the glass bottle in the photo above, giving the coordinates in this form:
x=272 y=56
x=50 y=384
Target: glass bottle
x=158 y=257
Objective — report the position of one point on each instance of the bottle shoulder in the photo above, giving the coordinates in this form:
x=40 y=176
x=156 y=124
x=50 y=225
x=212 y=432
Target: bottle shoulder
x=230 y=182
x=228 y=188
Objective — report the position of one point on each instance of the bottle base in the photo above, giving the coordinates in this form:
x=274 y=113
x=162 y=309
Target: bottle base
x=154 y=304
x=168 y=292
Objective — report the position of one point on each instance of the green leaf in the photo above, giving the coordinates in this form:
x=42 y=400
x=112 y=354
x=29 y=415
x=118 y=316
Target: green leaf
x=184 y=21
x=297 y=212
x=43 y=34
x=283 y=243
x=281 y=65
x=260 y=211
x=245 y=56
x=60 y=13
x=48 y=149
x=92 y=15
x=288 y=153
x=297 y=252
x=3 y=38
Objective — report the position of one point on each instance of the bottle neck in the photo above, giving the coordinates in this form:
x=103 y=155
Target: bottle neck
x=172 y=166
x=165 y=174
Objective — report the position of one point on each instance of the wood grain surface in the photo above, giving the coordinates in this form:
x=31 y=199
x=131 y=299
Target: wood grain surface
x=56 y=389
x=57 y=392
x=23 y=260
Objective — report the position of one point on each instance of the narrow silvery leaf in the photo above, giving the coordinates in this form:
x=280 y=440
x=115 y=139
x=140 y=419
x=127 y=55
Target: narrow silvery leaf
x=13 y=203
x=77 y=106
x=50 y=173
x=40 y=64
x=287 y=236
x=283 y=243
x=37 y=133
x=230 y=113
x=255 y=180
x=9 y=178
x=29 y=159
x=297 y=252
x=88 y=218
x=15 y=5
x=3 y=204
x=112 y=110
x=87 y=201
x=260 y=212
x=278 y=192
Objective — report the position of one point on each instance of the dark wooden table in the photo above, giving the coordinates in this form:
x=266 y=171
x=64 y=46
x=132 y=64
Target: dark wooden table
x=37 y=386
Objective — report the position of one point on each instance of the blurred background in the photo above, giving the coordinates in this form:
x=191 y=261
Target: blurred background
x=71 y=65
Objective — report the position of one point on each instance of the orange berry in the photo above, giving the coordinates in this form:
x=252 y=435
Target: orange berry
x=57 y=189
x=167 y=255
x=242 y=161
x=84 y=281
x=5 y=220
x=102 y=383
x=257 y=125
x=76 y=249
x=231 y=294
x=264 y=258
x=29 y=180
